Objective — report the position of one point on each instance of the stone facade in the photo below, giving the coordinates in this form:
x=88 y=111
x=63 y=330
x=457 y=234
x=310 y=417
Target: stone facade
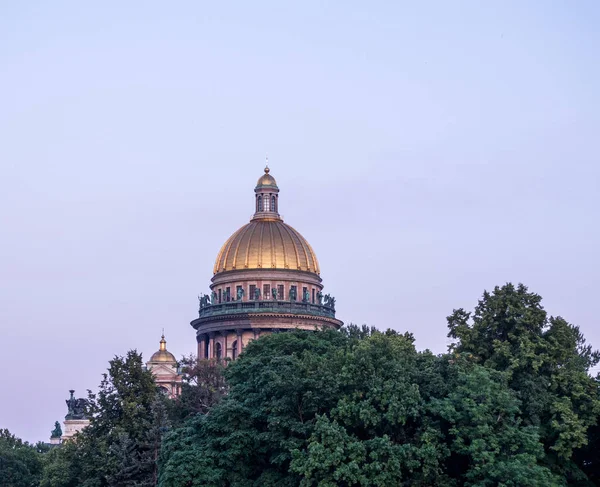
x=72 y=427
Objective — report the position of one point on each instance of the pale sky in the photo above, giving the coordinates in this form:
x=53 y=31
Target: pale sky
x=426 y=150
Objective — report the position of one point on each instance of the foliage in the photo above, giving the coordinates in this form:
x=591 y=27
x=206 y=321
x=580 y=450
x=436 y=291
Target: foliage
x=511 y=404
x=121 y=444
x=20 y=462
x=547 y=363
x=203 y=387
x=359 y=408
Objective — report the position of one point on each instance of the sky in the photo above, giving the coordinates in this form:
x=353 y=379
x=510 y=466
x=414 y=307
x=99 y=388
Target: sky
x=428 y=151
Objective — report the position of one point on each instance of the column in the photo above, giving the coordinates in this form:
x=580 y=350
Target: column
x=201 y=347
x=211 y=345
x=239 y=340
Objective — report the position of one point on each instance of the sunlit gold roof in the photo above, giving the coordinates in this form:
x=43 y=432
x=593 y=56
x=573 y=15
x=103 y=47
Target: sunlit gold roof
x=163 y=355
x=266 y=244
x=266 y=179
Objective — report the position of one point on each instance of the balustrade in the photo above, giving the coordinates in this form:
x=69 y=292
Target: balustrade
x=267 y=305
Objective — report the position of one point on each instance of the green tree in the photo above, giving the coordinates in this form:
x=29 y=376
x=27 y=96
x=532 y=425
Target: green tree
x=203 y=387
x=276 y=388
x=63 y=466
x=20 y=462
x=121 y=444
x=547 y=362
x=357 y=408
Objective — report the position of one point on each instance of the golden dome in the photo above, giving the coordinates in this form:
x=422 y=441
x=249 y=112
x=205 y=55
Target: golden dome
x=266 y=179
x=266 y=244
x=162 y=355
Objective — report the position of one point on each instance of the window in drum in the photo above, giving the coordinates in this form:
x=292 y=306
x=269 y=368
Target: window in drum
x=313 y=297
x=252 y=292
x=227 y=294
x=219 y=296
x=266 y=291
x=266 y=203
x=260 y=203
x=234 y=351
x=280 y=292
x=273 y=205
x=218 y=350
x=293 y=293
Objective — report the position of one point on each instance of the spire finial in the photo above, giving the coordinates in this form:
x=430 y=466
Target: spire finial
x=163 y=342
x=267 y=166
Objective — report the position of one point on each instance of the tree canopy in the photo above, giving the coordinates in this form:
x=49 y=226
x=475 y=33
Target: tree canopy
x=511 y=404
x=358 y=408
x=120 y=447
x=20 y=462
x=547 y=363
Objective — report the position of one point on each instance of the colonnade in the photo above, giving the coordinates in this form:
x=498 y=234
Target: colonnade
x=226 y=344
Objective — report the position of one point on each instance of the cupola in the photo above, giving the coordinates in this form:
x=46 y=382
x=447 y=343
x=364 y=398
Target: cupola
x=267 y=196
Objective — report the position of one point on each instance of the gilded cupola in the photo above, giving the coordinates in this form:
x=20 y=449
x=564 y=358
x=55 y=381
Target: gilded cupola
x=266 y=180
x=266 y=242
x=163 y=355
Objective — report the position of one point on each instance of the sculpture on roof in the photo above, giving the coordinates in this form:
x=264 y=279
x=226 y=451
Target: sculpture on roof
x=76 y=407
x=57 y=431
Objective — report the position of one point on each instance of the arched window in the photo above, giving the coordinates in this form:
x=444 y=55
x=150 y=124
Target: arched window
x=234 y=350
x=273 y=208
x=260 y=204
x=218 y=350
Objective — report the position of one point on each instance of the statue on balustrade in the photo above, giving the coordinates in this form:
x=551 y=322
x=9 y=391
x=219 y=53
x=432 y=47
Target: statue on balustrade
x=76 y=407
x=204 y=300
x=293 y=294
x=57 y=431
x=213 y=298
x=274 y=293
x=306 y=297
x=240 y=294
x=320 y=298
x=256 y=294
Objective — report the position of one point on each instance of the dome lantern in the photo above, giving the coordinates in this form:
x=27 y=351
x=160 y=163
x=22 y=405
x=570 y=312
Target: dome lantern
x=267 y=197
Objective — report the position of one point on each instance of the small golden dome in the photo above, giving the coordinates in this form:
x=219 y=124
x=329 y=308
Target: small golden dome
x=266 y=179
x=162 y=355
x=266 y=244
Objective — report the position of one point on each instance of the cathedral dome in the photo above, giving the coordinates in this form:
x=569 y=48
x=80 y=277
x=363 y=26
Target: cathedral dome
x=266 y=243
x=266 y=280
x=163 y=355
